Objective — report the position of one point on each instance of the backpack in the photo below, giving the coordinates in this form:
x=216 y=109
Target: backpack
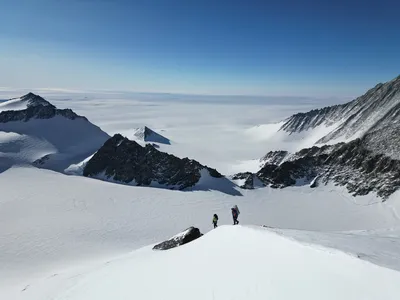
x=237 y=209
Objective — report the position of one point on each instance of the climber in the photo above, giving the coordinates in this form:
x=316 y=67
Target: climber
x=215 y=220
x=235 y=214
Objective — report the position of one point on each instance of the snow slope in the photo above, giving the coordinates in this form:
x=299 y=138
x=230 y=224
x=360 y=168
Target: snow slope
x=65 y=141
x=50 y=138
x=56 y=224
x=62 y=235
x=238 y=263
x=231 y=262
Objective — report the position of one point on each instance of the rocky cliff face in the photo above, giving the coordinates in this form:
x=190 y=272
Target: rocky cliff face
x=37 y=112
x=347 y=164
x=369 y=160
x=125 y=161
x=274 y=157
x=375 y=109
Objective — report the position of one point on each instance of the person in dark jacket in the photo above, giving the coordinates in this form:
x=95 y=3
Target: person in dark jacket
x=235 y=214
x=215 y=220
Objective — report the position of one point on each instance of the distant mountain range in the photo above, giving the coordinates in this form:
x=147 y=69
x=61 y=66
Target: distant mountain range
x=360 y=148
x=35 y=132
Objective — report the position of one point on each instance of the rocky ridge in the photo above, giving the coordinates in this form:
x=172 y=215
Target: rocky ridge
x=125 y=161
x=367 y=161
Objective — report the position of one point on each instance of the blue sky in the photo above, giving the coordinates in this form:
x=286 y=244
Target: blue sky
x=302 y=48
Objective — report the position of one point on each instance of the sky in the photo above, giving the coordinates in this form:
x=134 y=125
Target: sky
x=275 y=48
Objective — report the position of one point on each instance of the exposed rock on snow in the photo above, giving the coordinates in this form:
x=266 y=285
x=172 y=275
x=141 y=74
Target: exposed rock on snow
x=147 y=135
x=180 y=239
x=125 y=161
x=369 y=160
x=244 y=180
x=274 y=157
x=347 y=164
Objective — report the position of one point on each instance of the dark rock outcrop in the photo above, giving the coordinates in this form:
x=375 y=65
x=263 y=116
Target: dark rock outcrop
x=351 y=165
x=125 y=161
x=180 y=239
x=37 y=112
x=274 y=157
x=247 y=178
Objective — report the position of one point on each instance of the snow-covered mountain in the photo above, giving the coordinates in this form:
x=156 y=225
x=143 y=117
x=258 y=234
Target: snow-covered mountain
x=125 y=161
x=36 y=132
x=72 y=237
x=376 y=110
x=28 y=100
x=368 y=160
x=146 y=134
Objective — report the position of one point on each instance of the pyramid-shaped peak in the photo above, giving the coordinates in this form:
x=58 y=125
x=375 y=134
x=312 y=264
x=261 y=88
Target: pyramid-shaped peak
x=35 y=100
x=146 y=134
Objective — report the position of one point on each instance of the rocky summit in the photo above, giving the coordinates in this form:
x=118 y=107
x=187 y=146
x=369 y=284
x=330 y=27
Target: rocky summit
x=125 y=161
x=35 y=100
x=36 y=108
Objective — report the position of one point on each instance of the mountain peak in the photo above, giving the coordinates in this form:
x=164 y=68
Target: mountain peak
x=125 y=161
x=146 y=134
x=35 y=100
